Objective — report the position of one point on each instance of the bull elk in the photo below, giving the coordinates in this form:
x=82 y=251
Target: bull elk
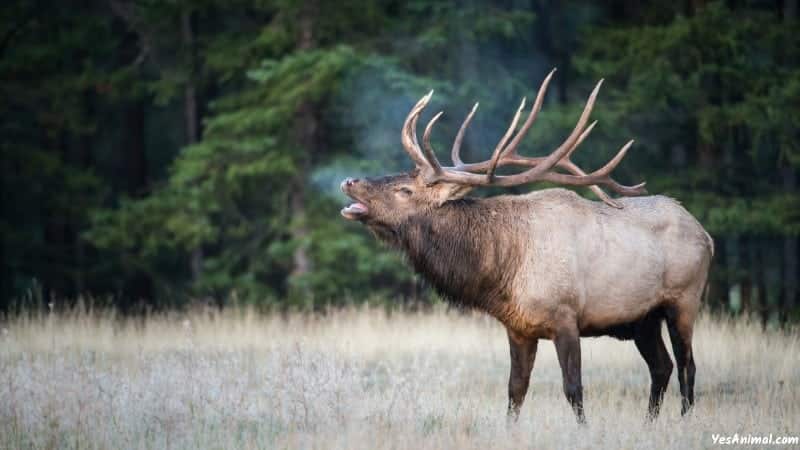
x=549 y=264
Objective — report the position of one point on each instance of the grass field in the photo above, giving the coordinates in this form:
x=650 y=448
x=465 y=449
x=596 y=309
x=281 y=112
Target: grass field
x=364 y=379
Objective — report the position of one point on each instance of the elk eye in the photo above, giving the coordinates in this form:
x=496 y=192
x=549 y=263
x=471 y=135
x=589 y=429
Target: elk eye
x=406 y=192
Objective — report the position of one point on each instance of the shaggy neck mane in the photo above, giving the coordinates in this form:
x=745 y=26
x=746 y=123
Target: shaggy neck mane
x=464 y=249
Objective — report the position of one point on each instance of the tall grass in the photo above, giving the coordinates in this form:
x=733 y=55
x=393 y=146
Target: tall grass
x=363 y=378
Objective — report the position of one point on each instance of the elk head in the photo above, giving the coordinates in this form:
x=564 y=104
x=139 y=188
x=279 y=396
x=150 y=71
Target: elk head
x=387 y=201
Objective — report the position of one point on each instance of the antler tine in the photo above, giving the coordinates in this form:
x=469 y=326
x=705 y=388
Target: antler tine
x=599 y=176
x=413 y=128
x=506 y=155
x=638 y=189
x=430 y=156
x=605 y=170
x=513 y=159
x=568 y=145
x=573 y=169
x=498 y=151
x=455 y=153
x=408 y=133
x=601 y=194
x=580 y=139
x=585 y=180
x=537 y=106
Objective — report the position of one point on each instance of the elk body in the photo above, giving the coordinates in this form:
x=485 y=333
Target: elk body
x=549 y=264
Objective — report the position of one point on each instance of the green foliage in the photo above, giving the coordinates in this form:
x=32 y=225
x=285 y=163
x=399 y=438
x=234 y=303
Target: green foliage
x=228 y=192
x=48 y=187
x=348 y=262
x=106 y=192
x=723 y=82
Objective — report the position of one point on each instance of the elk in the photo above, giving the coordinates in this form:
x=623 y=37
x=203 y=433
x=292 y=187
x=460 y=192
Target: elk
x=549 y=264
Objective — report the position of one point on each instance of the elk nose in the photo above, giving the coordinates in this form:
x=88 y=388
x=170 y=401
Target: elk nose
x=349 y=182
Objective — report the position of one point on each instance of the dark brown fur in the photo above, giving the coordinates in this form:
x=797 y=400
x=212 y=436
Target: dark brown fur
x=460 y=232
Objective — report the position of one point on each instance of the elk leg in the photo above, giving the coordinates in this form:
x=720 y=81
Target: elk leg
x=523 y=354
x=568 y=349
x=651 y=346
x=681 y=336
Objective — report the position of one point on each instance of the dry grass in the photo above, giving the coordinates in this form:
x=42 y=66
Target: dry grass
x=364 y=379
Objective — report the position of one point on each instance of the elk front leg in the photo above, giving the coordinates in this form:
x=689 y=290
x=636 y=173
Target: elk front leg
x=568 y=349
x=523 y=354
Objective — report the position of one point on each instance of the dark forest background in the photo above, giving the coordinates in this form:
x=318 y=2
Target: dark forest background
x=157 y=153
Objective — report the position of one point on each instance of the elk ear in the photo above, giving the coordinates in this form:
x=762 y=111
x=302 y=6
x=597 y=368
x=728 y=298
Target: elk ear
x=450 y=191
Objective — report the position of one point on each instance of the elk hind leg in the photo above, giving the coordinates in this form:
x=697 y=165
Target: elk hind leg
x=680 y=323
x=651 y=346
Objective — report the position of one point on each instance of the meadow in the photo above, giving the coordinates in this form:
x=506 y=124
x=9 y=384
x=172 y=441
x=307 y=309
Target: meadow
x=364 y=378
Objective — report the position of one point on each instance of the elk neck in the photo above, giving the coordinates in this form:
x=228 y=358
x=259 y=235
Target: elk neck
x=467 y=249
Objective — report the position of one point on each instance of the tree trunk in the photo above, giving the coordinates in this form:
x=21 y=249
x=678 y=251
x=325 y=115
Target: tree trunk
x=772 y=282
x=138 y=286
x=733 y=259
x=306 y=138
x=790 y=8
x=57 y=238
x=551 y=14
x=705 y=154
x=790 y=12
x=752 y=293
x=136 y=176
x=718 y=295
x=789 y=277
x=86 y=161
x=789 y=254
x=190 y=118
x=693 y=6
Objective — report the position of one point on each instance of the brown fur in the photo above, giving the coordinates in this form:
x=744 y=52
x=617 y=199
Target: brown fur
x=552 y=265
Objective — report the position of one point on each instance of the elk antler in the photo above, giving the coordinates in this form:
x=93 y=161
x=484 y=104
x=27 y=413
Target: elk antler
x=539 y=168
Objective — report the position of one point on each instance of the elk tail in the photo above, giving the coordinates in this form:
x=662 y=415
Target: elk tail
x=707 y=289
x=710 y=243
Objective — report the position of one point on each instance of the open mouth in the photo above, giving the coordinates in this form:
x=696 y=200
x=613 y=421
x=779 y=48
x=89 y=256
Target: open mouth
x=355 y=211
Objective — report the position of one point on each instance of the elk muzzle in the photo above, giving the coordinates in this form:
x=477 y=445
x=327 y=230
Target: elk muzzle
x=356 y=210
